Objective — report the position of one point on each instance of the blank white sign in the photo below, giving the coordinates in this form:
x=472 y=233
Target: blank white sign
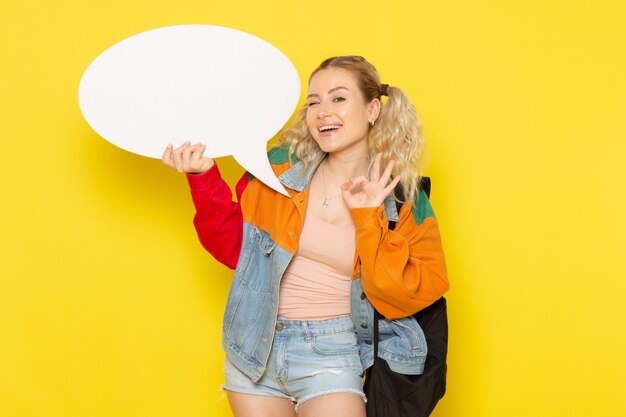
x=209 y=84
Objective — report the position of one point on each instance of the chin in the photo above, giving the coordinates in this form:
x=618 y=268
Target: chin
x=327 y=147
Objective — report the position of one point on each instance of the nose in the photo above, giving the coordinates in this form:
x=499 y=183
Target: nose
x=323 y=114
x=322 y=111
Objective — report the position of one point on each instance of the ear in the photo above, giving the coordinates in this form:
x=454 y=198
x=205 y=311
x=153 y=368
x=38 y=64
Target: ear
x=373 y=109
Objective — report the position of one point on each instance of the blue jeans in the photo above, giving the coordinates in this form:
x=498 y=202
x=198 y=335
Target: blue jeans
x=308 y=359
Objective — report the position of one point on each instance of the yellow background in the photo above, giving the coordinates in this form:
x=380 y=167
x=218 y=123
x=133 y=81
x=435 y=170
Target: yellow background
x=110 y=307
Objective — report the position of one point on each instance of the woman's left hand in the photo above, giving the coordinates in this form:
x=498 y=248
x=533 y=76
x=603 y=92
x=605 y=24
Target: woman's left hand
x=362 y=192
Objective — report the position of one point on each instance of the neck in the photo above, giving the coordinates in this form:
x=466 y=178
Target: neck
x=348 y=164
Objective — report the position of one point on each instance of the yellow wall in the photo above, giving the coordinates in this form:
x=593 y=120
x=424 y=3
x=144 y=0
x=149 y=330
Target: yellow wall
x=110 y=307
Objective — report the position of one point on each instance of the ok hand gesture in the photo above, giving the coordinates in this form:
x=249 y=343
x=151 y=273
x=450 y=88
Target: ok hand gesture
x=361 y=192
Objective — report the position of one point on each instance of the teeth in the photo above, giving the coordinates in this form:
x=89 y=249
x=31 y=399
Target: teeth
x=324 y=128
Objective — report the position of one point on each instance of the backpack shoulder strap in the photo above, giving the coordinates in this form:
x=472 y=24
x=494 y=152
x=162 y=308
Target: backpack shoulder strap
x=398 y=193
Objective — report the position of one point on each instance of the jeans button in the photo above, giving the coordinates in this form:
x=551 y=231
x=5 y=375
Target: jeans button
x=280 y=326
x=363 y=325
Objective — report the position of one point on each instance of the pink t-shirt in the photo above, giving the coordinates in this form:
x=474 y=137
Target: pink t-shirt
x=316 y=284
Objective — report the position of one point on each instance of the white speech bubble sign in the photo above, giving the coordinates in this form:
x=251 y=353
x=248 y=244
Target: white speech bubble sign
x=202 y=83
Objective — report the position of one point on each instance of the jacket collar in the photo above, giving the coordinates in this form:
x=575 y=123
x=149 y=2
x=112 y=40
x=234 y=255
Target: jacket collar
x=298 y=180
x=295 y=179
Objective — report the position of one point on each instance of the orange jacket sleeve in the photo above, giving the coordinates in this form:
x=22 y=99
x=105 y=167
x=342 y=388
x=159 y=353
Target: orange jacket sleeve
x=402 y=270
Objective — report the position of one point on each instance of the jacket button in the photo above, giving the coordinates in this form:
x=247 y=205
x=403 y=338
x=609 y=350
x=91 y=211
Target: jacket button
x=363 y=296
x=280 y=326
x=364 y=325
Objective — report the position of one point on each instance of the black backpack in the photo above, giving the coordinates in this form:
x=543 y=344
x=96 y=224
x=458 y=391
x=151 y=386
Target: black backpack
x=391 y=394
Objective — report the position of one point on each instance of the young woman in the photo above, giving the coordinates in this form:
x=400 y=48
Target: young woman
x=297 y=327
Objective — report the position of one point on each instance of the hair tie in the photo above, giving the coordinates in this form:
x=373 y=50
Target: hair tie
x=383 y=89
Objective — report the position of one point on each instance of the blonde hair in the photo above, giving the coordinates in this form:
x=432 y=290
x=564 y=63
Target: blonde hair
x=397 y=133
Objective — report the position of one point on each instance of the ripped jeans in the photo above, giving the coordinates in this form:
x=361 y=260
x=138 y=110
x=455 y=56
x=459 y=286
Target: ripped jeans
x=308 y=359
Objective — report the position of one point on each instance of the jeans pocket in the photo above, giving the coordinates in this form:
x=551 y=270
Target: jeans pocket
x=335 y=343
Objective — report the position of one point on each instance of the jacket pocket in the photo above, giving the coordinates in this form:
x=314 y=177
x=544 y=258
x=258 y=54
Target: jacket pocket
x=405 y=338
x=255 y=267
x=265 y=242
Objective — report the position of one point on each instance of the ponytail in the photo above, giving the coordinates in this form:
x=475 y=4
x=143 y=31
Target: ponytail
x=397 y=134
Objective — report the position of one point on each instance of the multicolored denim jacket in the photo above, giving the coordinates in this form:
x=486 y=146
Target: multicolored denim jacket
x=398 y=271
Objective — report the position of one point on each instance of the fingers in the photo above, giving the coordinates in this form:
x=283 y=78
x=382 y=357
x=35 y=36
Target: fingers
x=345 y=186
x=361 y=192
x=376 y=167
x=194 y=161
x=351 y=187
x=376 y=176
x=167 y=156
x=197 y=162
x=392 y=185
x=191 y=152
x=357 y=184
x=187 y=158
x=186 y=154
x=387 y=174
x=177 y=157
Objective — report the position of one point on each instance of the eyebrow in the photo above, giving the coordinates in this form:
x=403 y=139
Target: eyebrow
x=329 y=91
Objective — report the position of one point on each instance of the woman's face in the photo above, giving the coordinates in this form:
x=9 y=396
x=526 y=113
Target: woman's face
x=337 y=114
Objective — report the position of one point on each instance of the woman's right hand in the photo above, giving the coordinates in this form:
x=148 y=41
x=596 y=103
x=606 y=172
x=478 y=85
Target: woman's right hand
x=187 y=158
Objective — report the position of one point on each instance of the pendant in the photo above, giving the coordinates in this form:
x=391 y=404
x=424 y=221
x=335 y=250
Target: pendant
x=325 y=203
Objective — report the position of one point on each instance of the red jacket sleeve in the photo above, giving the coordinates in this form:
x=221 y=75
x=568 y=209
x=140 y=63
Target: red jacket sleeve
x=218 y=220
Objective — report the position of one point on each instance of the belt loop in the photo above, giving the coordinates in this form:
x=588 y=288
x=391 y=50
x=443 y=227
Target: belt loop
x=305 y=330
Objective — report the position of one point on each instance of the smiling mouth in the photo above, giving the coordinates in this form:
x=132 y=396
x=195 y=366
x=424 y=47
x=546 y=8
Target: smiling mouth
x=328 y=128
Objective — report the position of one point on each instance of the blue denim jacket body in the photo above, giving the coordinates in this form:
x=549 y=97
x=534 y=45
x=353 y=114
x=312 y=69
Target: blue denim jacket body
x=252 y=306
